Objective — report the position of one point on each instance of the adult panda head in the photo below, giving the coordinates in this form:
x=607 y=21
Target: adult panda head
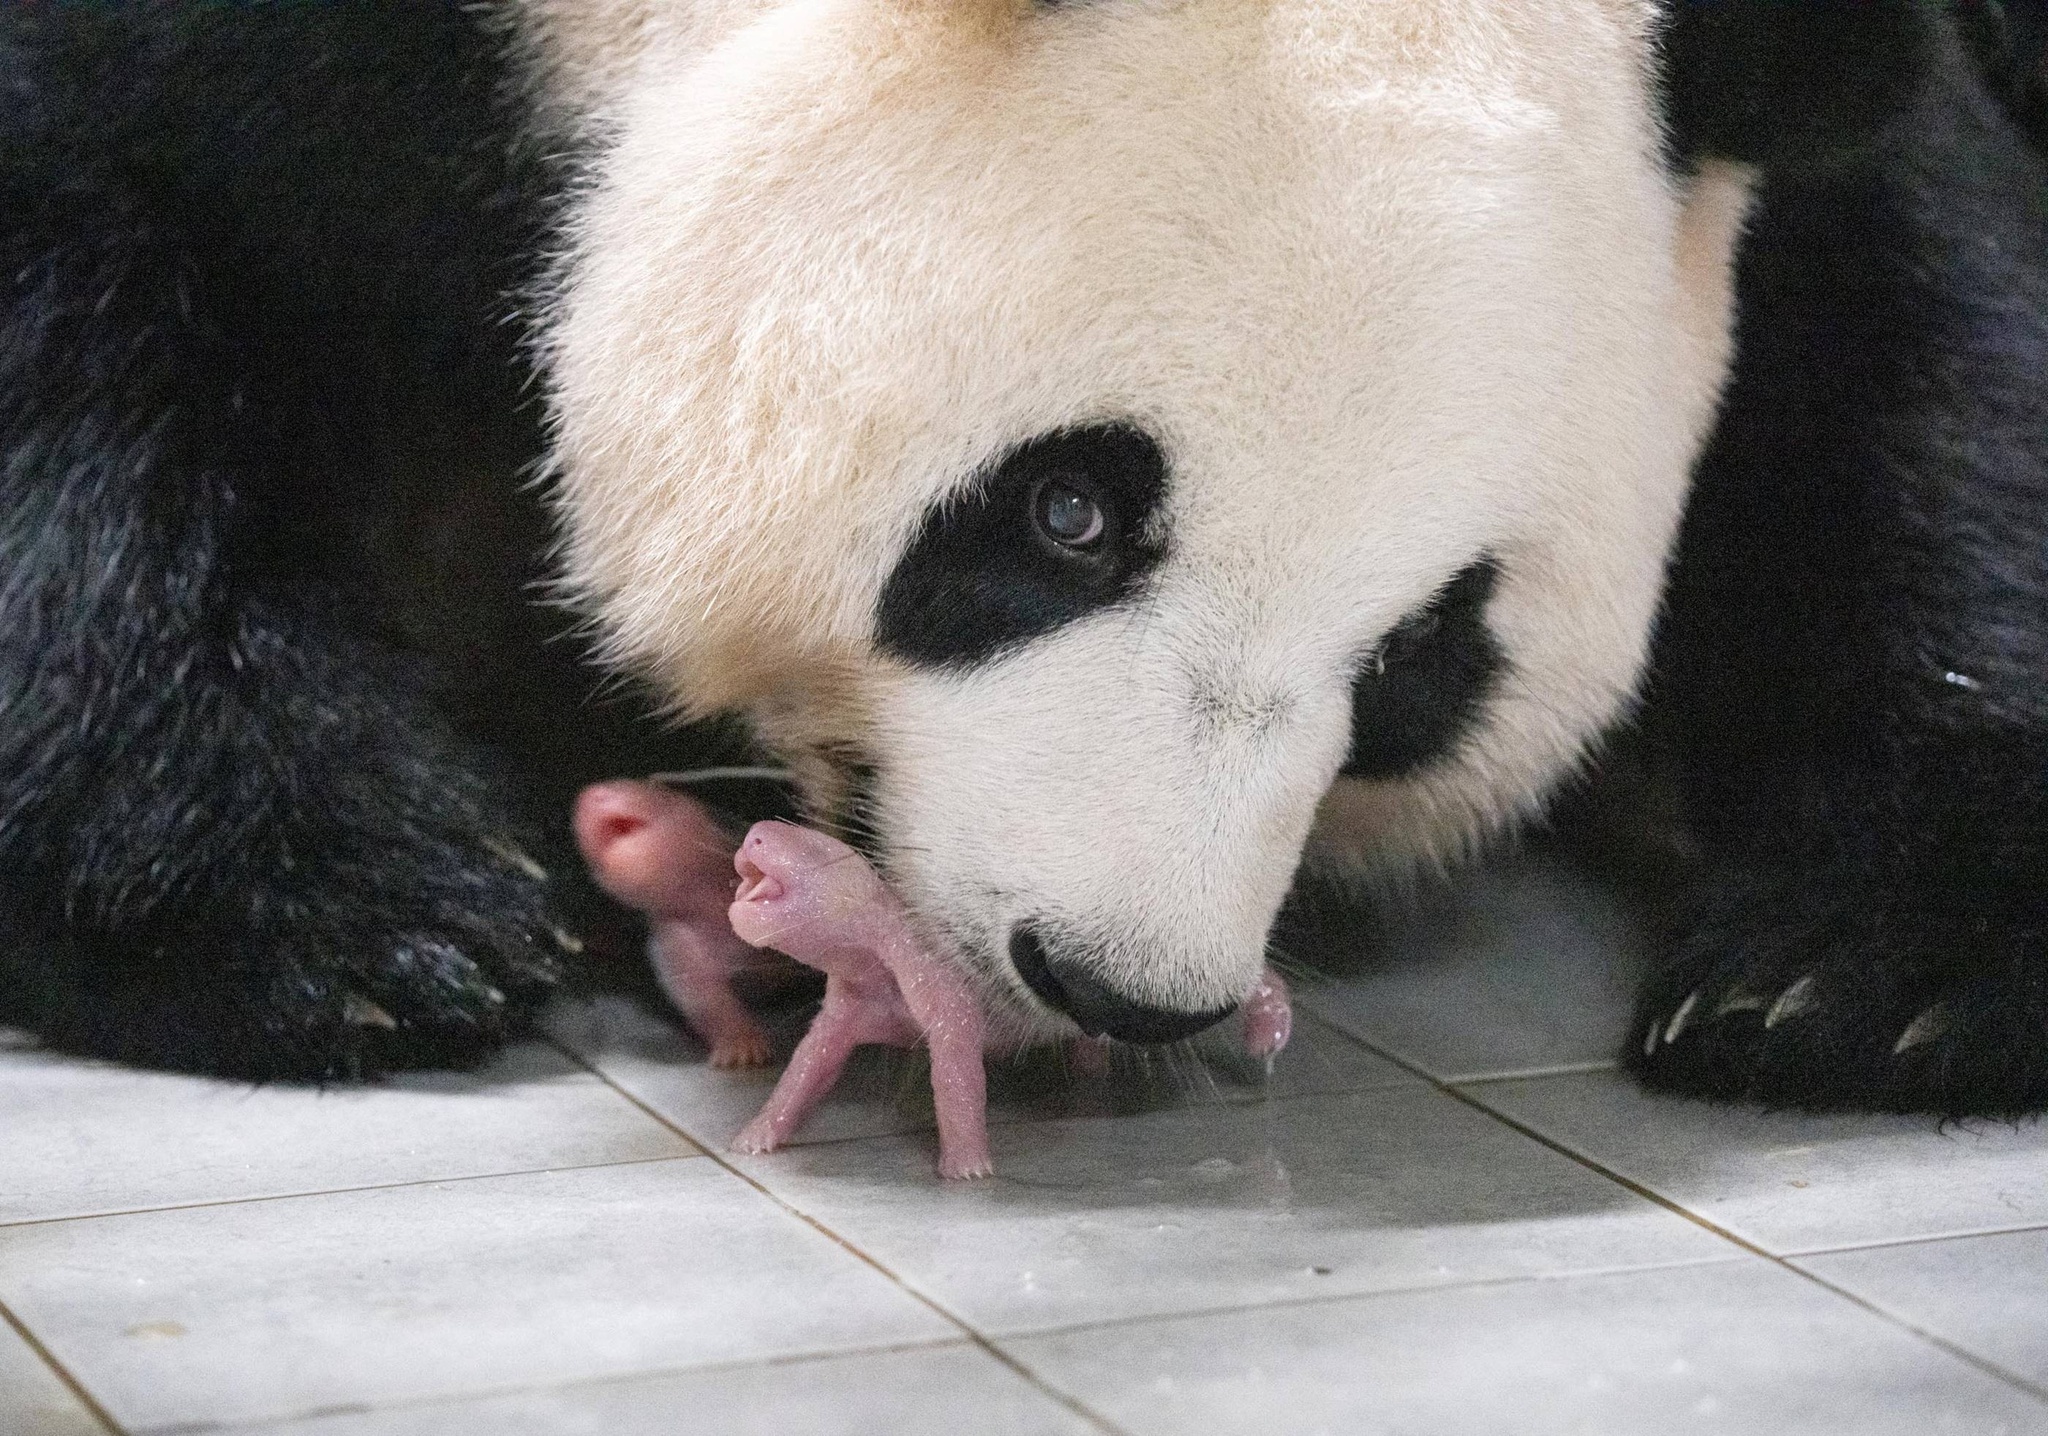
x=1082 y=434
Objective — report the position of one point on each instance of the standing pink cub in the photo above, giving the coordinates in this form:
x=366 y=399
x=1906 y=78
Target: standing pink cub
x=816 y=899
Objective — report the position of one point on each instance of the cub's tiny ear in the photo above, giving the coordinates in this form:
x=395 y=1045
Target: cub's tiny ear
x=1776 y=81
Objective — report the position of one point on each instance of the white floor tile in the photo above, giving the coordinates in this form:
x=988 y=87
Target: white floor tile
x=662 y=1064
x=941 y=1391
x=1788 y=1181
x=885 y=1092
x=33 y=1402
x=1522 y=967
x=1219 y=1206
x=1743 y=1348
x=1988 y=1295
x=271 y=1309
x=83 y=1137
x=642 y=1292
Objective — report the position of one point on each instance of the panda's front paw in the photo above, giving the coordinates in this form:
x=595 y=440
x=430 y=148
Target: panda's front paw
x=331 y=970
x=1891 y=1002
x=435 y=972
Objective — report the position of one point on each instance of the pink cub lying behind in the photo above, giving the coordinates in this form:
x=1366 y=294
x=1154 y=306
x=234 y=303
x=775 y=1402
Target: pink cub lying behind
x=813 y=898
x=663 y=855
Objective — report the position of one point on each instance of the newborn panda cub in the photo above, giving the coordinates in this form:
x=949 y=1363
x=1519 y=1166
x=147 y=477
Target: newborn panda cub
x=808 y=895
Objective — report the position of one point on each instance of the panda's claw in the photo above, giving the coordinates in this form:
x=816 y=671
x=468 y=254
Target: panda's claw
x=1795 y=1001
x=1881 y=1007
x=1676 y=1028
x=1741 y=999
x=509 y=852
x=360 y=1011
x=1930 y=1026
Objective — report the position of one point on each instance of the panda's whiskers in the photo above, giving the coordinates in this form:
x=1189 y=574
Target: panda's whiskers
x=1189 y=1071
x=1294 y=969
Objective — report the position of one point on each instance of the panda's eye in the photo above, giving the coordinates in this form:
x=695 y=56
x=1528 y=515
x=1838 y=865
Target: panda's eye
x=1062 y=526
x=1068 y=514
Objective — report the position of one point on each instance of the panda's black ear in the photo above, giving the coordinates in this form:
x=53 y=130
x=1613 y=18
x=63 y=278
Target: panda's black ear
x=1768 y=81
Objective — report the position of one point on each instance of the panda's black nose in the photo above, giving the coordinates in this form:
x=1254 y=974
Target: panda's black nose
x=1096 y=1007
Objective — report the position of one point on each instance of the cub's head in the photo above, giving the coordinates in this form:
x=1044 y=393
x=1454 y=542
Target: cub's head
x=1093 y=439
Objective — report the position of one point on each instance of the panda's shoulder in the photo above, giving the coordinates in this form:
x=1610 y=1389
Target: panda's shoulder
x=235 y=103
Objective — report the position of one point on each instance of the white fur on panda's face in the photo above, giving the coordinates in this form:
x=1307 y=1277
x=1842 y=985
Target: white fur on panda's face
x=1389 y=293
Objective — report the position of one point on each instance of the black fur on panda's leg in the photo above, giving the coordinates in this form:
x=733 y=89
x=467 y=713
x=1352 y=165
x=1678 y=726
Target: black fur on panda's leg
x=232 y=839
x=1850 y=676
x=1903 y=966
x=235 y=834
x=368 y=901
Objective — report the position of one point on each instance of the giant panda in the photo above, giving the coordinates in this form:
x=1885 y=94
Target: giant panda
x=1127 y=459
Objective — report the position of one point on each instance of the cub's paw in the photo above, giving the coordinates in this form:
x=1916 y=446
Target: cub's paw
x=742 y=1049
x=1877 y=1003
x=966 y=1166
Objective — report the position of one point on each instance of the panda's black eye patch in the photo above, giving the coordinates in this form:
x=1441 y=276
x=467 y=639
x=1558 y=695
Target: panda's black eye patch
x=1422 y=689
x=1060 y=527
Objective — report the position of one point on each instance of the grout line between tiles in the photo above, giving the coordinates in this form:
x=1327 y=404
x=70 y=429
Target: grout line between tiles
x=58 y=1369
x=1988 y=1367
x=1931 y=1239
x=582 y=1383
x=1456 y=1093
x=1004 y=1124
x=1531 y=1074
x=1291 y=1303
x=1962 y=1353
x=937 y=1308
x=26 y=1222
x=1340 y=1024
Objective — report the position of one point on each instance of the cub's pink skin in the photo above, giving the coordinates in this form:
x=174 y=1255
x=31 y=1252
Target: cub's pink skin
x=659 y=851
x=1268 y=1017
x=811 y=896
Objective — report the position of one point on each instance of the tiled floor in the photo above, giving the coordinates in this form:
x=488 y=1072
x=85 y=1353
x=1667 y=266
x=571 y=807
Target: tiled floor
x=1442 y=1213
